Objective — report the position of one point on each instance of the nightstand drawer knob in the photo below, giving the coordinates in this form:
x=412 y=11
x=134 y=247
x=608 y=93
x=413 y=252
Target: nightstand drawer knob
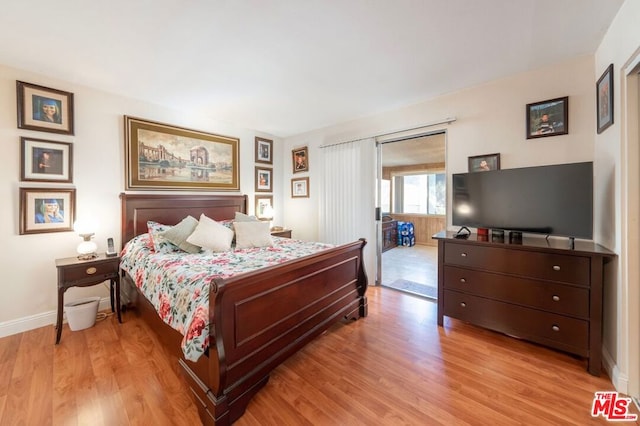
x=555 y=328
x=464 y=305
x=556 y=267
x=91 y=270
x=463 y=254
x=556 y=298
x=462 y=280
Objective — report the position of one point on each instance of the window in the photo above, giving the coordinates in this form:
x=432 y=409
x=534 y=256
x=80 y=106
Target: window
x=420 y=193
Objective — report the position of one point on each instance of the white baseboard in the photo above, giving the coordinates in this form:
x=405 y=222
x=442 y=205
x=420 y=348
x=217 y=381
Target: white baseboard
x=44 y=319
x=620 y=381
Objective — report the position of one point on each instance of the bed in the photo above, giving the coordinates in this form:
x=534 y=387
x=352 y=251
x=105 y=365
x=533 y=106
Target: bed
x=257 y=319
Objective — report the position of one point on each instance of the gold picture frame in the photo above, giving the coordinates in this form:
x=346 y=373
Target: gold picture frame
x=264 y=150
x=164 y=157
x=300 y=158
x=300 y=187
x=261 y=203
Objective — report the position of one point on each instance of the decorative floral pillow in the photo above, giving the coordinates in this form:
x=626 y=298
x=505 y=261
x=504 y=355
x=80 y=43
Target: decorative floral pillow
x=160 y=244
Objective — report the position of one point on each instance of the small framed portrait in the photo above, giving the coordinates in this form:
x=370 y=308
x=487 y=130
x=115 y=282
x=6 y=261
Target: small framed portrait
x=45 y=161
x=44 y=109
x=264 y=149
x=548 y=118
x=47 y=210
x=484 y=163
x=604 y=99
x=263 y=179
x=300 y=187
x=264 y=207
x=300 y=159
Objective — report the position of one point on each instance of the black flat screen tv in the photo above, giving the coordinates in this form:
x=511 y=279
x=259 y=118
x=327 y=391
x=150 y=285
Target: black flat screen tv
x=552 y=200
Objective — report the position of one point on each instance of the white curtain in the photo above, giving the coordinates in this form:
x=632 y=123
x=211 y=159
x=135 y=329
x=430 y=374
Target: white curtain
x=347 y=204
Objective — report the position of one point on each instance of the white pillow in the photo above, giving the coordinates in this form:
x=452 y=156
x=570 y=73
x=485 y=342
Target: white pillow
x=241 y=217
x=211 y=235
x=252 y=234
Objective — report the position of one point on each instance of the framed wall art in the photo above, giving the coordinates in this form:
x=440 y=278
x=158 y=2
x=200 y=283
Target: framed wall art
x=604 y=99
x=261 y=206
x=300 y=187
x=47 y=210
x=264 y=151
x=161 y=156
x=44 y=109
x=548 y=118
x=45 y=161
x=484 y=163
x=264 y=177
x=300 y=159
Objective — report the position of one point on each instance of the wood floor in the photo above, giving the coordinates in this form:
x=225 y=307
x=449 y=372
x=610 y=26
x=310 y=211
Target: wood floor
x=395 y=367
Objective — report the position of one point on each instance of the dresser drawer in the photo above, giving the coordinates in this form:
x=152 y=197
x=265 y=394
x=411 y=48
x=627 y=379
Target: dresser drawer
x=546 y=266
x=90 y=271
x=560 y=332
x=549 y=296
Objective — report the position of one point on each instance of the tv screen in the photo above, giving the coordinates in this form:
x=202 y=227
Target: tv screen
x=553 y=200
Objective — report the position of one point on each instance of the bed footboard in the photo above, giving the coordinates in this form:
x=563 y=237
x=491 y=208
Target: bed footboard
x=261 y=318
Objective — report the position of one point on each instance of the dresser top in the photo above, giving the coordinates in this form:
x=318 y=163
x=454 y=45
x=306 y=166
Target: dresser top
x=531 y=242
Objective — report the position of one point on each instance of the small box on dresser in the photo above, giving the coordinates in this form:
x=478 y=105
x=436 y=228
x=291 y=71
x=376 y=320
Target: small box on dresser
x=537 y=289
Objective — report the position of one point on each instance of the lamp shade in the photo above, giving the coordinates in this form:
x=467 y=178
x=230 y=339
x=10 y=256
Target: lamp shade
x=268 y=212
x=87 y=249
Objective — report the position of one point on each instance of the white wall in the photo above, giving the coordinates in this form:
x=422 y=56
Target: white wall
x=27 y=263
x=490 y=118
x=617 y=197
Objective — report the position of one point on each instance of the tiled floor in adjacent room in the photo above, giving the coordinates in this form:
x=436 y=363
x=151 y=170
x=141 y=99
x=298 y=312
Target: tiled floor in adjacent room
x=412 y=269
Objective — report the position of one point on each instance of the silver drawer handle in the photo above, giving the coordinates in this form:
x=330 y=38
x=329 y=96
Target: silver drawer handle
x=464 y=305
x=556 y=268
x=463 y=254
x=462 y=280
x=555 y=328
x=556 y=298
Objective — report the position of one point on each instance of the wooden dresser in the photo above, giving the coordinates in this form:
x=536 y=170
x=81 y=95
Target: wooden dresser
x=539 y=290
x=389 y=234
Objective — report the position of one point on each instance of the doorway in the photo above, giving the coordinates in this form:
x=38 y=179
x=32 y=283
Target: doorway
x=413 y=208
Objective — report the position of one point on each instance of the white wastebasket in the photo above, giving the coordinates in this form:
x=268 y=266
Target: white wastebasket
x=82 y=313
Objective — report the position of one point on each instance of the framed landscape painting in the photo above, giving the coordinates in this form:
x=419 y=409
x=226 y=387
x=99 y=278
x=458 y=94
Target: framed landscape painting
x=161 y=156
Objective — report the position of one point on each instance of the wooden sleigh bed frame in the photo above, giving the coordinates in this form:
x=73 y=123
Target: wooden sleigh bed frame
x=257 y=319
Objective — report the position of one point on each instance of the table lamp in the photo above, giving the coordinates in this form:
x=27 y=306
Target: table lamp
x=87 y=249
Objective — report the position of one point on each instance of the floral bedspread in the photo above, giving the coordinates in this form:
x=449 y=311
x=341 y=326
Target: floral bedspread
x=177 y=284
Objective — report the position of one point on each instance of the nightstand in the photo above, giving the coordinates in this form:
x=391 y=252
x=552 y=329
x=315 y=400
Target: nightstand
x=284 y=233
x=73 y=272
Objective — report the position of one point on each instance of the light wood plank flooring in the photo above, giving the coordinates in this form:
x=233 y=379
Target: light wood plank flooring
x=393 y=367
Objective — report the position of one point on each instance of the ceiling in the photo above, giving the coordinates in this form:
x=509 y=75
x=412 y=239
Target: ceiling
x=286 y=67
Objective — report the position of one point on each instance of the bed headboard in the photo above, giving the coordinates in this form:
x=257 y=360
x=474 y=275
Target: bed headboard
x=170 y=209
